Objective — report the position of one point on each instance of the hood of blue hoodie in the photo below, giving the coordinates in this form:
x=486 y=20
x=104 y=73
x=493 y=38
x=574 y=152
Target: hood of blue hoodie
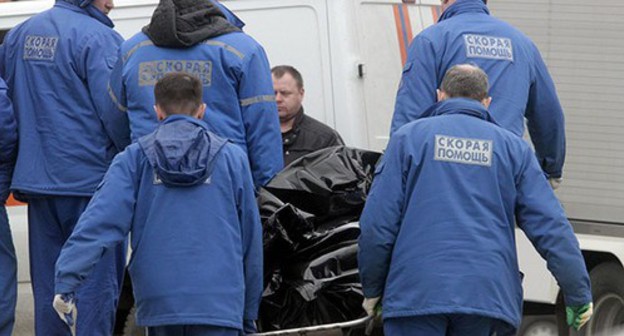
x=182 y=151
x=89 y=9
x=463 y=7
x=464 y=106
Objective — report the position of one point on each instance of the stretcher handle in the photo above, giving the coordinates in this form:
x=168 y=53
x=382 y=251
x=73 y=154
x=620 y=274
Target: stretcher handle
x=323 y=327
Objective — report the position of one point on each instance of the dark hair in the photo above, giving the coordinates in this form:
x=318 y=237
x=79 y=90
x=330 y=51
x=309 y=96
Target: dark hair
x=465 y=81
x=178 y=93
x=280 y=70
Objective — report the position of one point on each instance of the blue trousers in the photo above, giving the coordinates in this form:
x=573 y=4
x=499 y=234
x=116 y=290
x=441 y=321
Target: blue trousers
x=51 y=220
x=446 y=325
x=8 y=276
x=191 y=330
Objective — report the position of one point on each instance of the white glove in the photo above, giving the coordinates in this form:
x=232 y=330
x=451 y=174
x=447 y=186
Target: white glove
x=369 y=305
x=65 y=307
x=555 y=182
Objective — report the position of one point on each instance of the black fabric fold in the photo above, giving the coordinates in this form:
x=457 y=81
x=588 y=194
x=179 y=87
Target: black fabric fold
x=185 y=23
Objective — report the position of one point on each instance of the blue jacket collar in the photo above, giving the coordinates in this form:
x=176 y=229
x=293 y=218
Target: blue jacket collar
x=178 y=117
x=229 y=15
x=463 y=7
x=89 y=10
x=463 y=106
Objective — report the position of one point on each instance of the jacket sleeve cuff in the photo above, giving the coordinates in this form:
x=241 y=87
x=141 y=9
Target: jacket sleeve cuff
x=249 y=327
x=554 y=174
x=577 y=300
x=372 y=292
x=63 y=288
x=250 y=316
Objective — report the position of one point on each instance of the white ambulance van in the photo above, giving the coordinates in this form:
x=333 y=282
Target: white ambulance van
x=351 y=52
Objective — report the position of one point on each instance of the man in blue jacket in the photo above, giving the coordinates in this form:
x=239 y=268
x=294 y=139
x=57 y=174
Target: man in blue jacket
x=188 y=198
x=196 y=38
x=437 y=232
x=8 y=262
x=521 y=85
x=56 y=65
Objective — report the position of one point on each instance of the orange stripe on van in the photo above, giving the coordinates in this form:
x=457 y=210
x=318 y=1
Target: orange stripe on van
x=403 y=28
x=435 y=12
x=400 y=36
x=13 y=202
x=408 y=25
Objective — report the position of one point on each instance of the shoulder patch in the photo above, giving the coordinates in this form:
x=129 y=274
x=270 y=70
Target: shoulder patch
x=463 y=150
x=492 y=47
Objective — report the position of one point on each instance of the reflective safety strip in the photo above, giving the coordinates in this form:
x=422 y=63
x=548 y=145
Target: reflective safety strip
x=135 y=48
x=403 y=28
x=115 y=100
x=257 y=99
x=212 y=43
x=226 y=47
x=158 y=180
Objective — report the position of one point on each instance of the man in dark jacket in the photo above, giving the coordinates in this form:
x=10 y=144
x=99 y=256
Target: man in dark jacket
x=438 y=228
x=195 y=37
x=56 y=65
x=521 y=86
x=301 y=134
x=8 y=262
x=188 y=198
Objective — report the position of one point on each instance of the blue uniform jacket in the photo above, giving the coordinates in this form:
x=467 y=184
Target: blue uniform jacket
x=238 y=92
x=56 y=65
x=437 y=231
x=188 y=199
x=520 y=84
x=8 y=142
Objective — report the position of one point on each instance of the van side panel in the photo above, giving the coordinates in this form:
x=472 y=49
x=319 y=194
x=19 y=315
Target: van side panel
x=386 y=29
x=583 y=45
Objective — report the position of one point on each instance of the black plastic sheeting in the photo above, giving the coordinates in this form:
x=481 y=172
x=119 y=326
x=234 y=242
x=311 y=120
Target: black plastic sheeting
x=330 y=183
x=309 y=213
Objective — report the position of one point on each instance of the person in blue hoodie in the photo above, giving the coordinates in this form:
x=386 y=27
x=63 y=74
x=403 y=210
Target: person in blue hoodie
x=437 y=231
x=8 y=262
x=187 y=198
x=56 y=66
x=196 y=37
x=521 y=85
